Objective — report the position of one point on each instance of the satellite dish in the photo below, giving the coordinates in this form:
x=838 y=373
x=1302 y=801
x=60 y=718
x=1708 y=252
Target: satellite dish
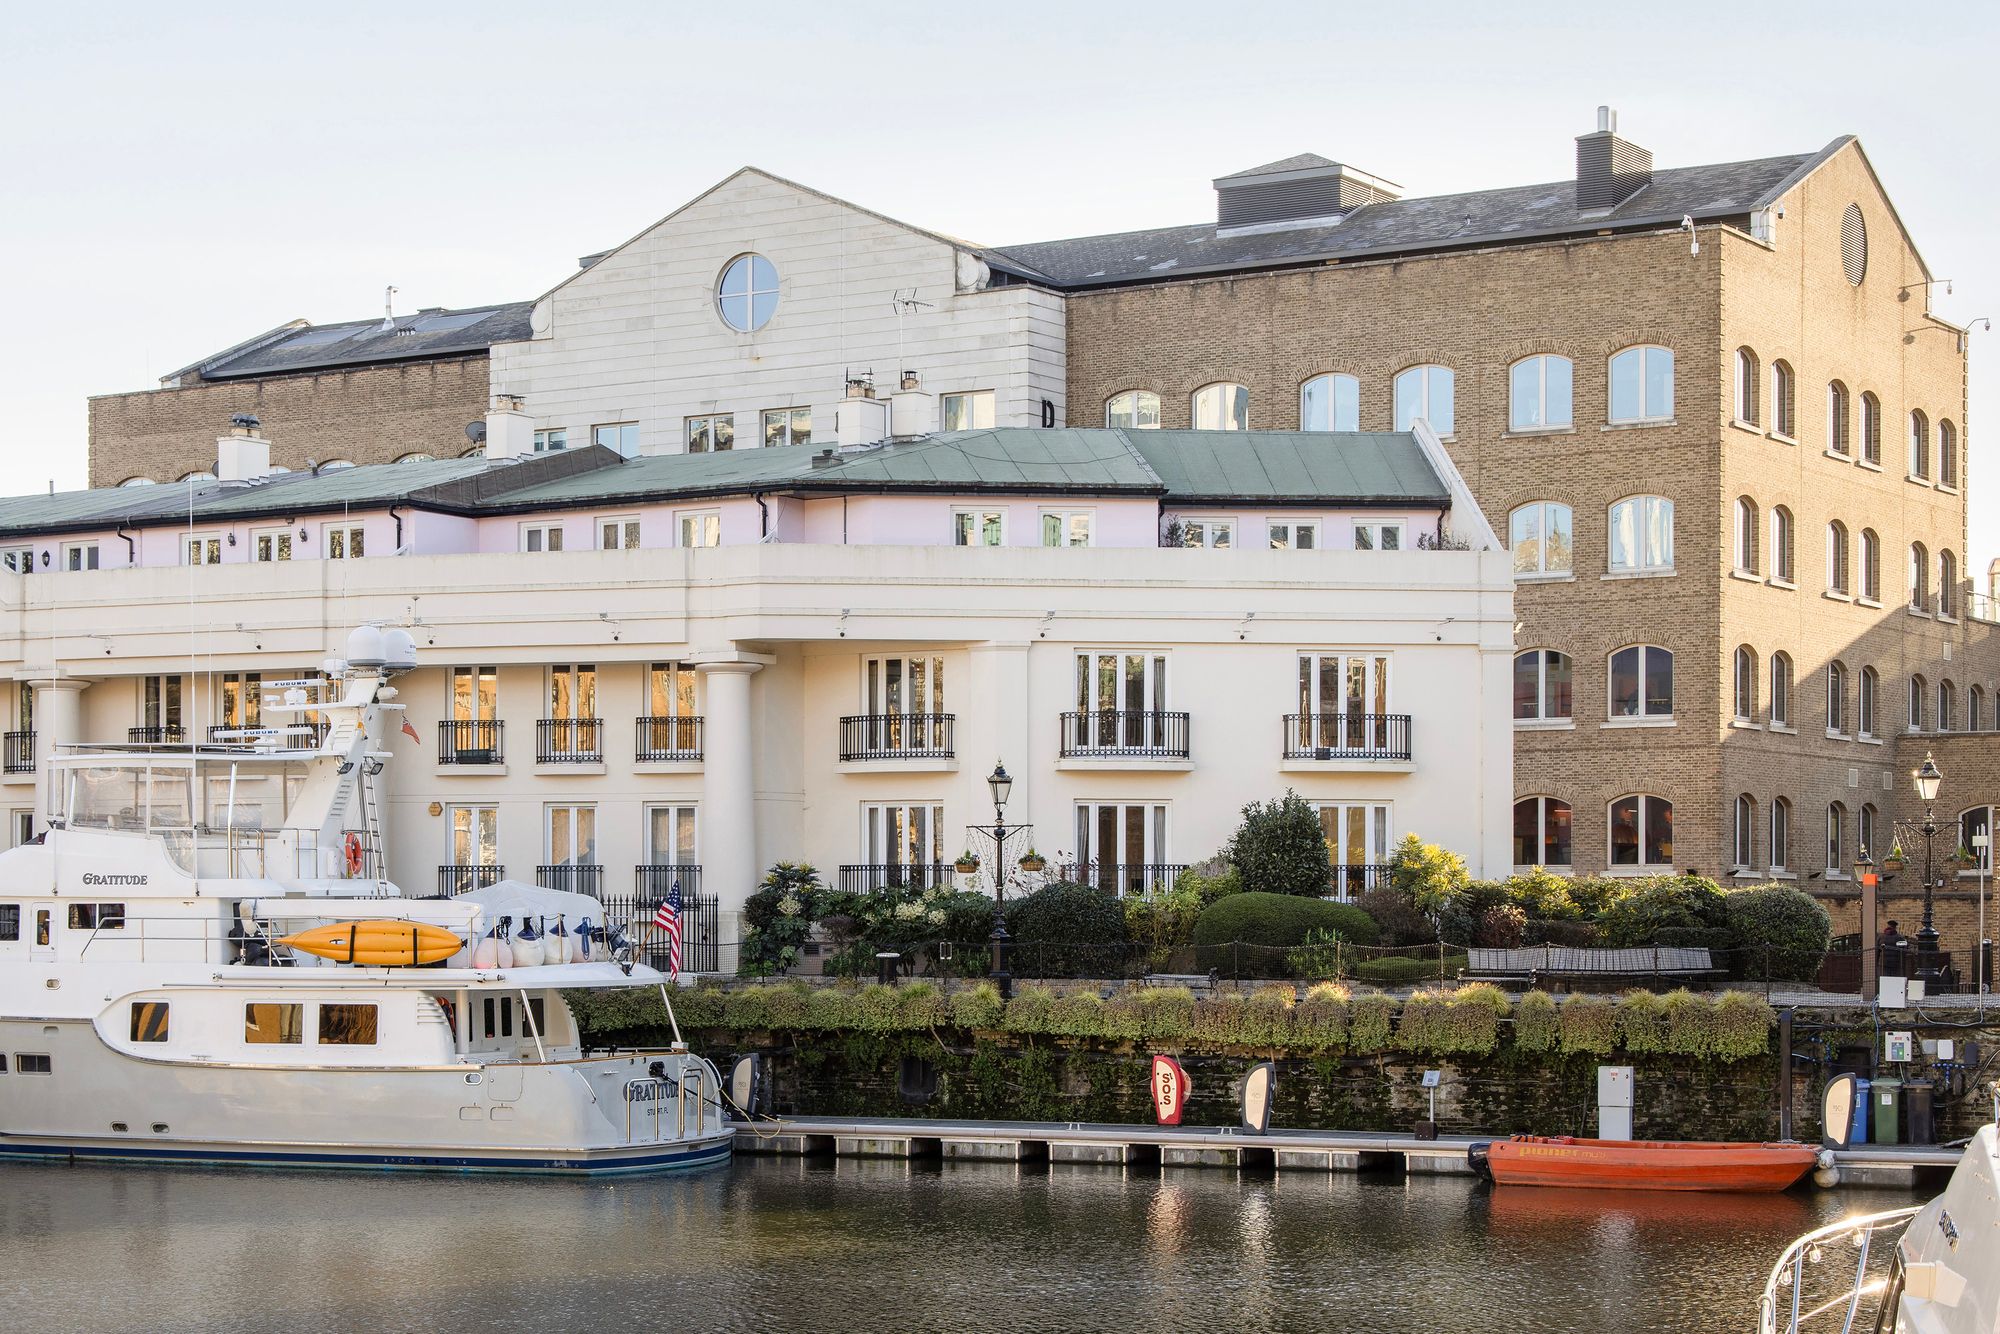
x=476 y=432
x=365 y=648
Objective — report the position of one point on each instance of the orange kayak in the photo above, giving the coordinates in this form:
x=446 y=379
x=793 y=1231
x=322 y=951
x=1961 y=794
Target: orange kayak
x=1613 y=1164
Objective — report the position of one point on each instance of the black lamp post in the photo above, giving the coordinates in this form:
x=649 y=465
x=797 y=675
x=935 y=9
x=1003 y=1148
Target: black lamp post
x=1927 y=778
x=1001 y=784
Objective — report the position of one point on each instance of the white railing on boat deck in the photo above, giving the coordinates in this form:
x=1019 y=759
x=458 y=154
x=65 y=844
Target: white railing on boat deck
x=654 y=1095
x=1783 y=1309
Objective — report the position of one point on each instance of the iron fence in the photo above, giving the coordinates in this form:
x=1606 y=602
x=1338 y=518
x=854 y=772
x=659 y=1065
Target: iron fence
x=658 y=739
x=890 y=875
x=155 y=736
x=1125 y=734
x=20 y=753
x=1352 y=881
x=897 y=736
x=1123 y=877
x=701 y=916
x=457 y=879
x=1347 y=736
x=472 y=741
x=569 y=740
x=571 y=877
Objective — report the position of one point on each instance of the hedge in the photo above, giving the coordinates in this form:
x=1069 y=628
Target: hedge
x=1472 y=1020
x=1279 y=921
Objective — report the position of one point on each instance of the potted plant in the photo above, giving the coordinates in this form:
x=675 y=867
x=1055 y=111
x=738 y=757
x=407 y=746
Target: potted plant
x=967 y=862
x=1895 y=860
x=1965 y=857
x=1032 y=862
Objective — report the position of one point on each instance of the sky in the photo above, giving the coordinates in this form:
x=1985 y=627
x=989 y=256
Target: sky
x=178 y=179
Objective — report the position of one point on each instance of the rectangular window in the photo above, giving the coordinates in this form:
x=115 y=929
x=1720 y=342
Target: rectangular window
x=21 y=560
x=475 y=836
x=670 y=836
x=242 y=699
x=160 y=706
x=80 y=556
x=1293 y=536
x=10 y=922
x=1358 y=843
x=1119 y=701
x=1541 y=832
x=621 y=436
x=1642 y=534
x=202 y=549
x=149 y=1021
x=273 y=544
x=97 y=916
x=1343 y=702
x=902 y=834
x=1642 y=683
x=711 y=434
x=1121 y=846
x=968 y=411
x=897 y=694
x=31 y=1063
x=1216 y=533
x=1066 y=528
x=555 y=437
x=670 y=691
x=20 y=830
x=700 y=528
x=347 y=1025
x=475 y=693
x=573 y=691
x=572 y=837
x=274 y=1023
x=788 y=426
x=345 y=542
x=619 y=534
x=541 y=537
x=979 y=528
x=1378 y=537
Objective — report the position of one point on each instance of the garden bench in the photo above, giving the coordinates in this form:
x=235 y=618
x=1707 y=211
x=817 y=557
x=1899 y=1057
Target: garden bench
x=1201 y=984
x=1561 y=963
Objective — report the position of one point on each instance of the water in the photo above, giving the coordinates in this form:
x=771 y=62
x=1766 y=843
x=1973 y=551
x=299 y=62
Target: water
x=770 y=1244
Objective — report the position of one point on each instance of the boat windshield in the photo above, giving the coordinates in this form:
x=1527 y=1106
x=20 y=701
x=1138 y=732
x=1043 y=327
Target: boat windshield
x=178 y=798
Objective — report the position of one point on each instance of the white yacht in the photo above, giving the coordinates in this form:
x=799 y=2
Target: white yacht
x=202 y=961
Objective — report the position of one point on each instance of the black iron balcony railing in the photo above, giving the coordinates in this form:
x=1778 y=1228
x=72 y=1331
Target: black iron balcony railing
x=20 y=756
x=571 y=877
x=1352 y=881
x=569 y=740
x=908 y=875
x=701 y=949
x=1151 y=734
x=459 y=879
x=283 y=735
x=1125 y=877
x=667 y=739
x=1347 y=736
x=896 y=736
x=155 y=736
x=471 y=741
x=652 y=882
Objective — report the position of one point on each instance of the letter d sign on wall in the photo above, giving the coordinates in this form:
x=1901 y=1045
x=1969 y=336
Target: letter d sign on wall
x=1170 y=1089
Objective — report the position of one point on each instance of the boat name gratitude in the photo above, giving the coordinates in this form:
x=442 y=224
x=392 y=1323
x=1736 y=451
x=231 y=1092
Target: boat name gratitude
x=93 y=878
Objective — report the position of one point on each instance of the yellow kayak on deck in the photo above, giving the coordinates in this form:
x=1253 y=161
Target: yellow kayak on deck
x=377 y=943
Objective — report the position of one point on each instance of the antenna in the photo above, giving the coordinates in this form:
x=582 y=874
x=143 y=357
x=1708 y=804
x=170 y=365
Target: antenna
x=389 y=309
x=905 y=302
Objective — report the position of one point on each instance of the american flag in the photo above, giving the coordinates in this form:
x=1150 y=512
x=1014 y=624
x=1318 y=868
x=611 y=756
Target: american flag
x=668 y=919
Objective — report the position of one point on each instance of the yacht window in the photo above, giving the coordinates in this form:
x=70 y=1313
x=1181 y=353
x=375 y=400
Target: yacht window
x=97 y=916
x=503 y=1008
x=31 y=1063
x=149 y=1021
x=41 y=926
x=3 y=1065
x=10 y=921
x=273 y=1023
x=347 y=1025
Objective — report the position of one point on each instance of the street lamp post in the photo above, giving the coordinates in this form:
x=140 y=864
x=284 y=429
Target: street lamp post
x=1927 y=778
x=1864 y=869
x=1000 y=784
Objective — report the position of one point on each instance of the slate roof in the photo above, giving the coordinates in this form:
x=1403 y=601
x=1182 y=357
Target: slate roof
x=1480 y=217
x=1222 y=467
x=303 y=347
x=1297 y=162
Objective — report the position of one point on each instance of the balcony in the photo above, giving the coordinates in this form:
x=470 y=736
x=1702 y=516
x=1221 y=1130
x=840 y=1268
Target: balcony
x=907 y=875
x=155 y=736
x=925 y=738
x=20 y=753
x=569 y=741
x=1124 y=739
x=1374 y=741
x=1123 y=878
x=458 y=879
x=571 y=877
x=1351 y=882
x=472 y=743
x=667 y=740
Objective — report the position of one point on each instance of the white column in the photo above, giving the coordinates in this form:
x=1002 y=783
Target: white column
x=58 y=722
x=729 y=796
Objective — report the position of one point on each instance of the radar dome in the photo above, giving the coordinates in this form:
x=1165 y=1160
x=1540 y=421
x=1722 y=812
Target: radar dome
x=365 y=647
x=399 y=650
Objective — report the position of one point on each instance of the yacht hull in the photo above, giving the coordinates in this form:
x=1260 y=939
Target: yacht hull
x=536 y=1161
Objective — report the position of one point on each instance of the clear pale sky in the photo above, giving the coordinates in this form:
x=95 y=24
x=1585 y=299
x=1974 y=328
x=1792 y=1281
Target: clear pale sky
x=176 y=179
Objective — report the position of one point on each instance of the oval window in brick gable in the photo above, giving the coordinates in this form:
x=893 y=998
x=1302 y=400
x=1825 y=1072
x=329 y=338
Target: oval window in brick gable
x=1853 y=245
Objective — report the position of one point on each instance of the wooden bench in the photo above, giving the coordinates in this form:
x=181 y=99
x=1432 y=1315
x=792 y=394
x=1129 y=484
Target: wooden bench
x=1534 y=964
x=1201 y=984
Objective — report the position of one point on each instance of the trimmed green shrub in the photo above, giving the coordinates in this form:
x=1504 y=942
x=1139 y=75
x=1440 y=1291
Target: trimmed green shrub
x=1589 y=1025
x=1077 y=1014
x=1209 y=888
x=695 y=1007
x=1426 y=874
x=1543 y=897
x=1657 y=902
x=1160 y=1012
x=1642 y=1022
x=1536 y=1027
x=1319 y=1022
x=787 y=1005
x=1690 y=1023
x=1465 y=1022
x=1743 y=1024
x=977 y=1007
x=1422 y=1023
x=925 y=1006
x=1280 y=921
x=1280 y=848
x=1028 y=1012
x=1395 y=970
x=832 y=1008
x=1785 y=926
x=1067 y=930
x=1593 y=895
x=747 y=1007
x=1371 y=1018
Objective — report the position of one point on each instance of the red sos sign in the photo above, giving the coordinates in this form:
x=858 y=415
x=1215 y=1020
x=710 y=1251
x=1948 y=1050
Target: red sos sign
x=1170 y=1089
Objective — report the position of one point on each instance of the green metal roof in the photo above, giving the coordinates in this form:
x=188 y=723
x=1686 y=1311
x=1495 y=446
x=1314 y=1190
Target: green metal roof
x=1004 y=459
x=1363 y=467
x=364 y=484
x=664 y=475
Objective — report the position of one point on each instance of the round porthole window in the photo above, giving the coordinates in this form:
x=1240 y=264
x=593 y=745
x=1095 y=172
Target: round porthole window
x=1853 y=245
x=747 y=294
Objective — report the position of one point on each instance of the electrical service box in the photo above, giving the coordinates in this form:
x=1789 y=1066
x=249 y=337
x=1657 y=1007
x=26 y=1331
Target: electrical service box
x=1897 y=1048
x=1895 y=993
x=1614 y=1101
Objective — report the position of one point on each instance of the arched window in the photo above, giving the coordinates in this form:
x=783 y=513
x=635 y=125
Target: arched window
x=1784 y=564
x=1866 y=703
x=1540 y=536
x=334 y=465
x=1746 y=386
x=1836 y=698
x=1784 y=403
x=1947 y=590
x=417 y=456
x=1641 y=682
x=1871 y=820
x=1642 y=535
x=137 y=481
x=1426 y=392
x=1920 y=577
x=1541 y=832
x=475 y=452
x=1947 y=453
x=1133 y=410
x=1836 y=418
x=1836 y=839
x=1781 y=690
x=1330 y=403
x=1222 y=407
x=1539 y=393
x=1642 y=832
x=1871 y=429
x=1871 y=566
x=1746 y=535
x=1919 y=692
x=1542 y=685
x=1743 y=691
x=1971 y=824
x=1743 y=834
x=1642 y=385
x=1920 y=446
x=1975 y=708
x=198 y=475
x=1781 y=833
x=1947 y=710
x=1838 y=579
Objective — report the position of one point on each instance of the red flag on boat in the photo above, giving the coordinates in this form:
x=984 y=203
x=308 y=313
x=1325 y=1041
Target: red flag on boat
x=412 y=732
x=1170 y=1089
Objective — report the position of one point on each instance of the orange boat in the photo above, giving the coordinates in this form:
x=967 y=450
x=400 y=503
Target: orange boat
x=1617 y=1164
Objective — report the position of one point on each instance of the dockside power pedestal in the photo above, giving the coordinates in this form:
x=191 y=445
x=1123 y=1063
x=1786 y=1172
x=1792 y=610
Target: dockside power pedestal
x=1614 y=1102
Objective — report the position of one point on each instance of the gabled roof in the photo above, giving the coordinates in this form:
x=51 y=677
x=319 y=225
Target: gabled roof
x=1297 y=162
x=300 y=346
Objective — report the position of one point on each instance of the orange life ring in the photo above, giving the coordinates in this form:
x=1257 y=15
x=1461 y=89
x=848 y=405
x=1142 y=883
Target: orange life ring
x=353 y=851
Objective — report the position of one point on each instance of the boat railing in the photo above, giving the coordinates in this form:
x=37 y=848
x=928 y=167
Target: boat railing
x=1783 y=1308
x=210 y=933
x=647 y=1090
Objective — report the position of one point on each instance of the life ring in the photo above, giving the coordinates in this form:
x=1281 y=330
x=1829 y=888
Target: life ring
x=352 y=848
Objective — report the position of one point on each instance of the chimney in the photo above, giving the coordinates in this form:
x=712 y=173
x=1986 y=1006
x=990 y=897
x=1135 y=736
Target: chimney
x=510 y=432
x=910 y=412
x=861 y=419
x=1298 y=190
x=1609 y=170
x=242 y=455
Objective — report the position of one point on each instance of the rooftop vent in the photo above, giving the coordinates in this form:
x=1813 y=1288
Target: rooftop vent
x=1297 y=188
x=1609 y=170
